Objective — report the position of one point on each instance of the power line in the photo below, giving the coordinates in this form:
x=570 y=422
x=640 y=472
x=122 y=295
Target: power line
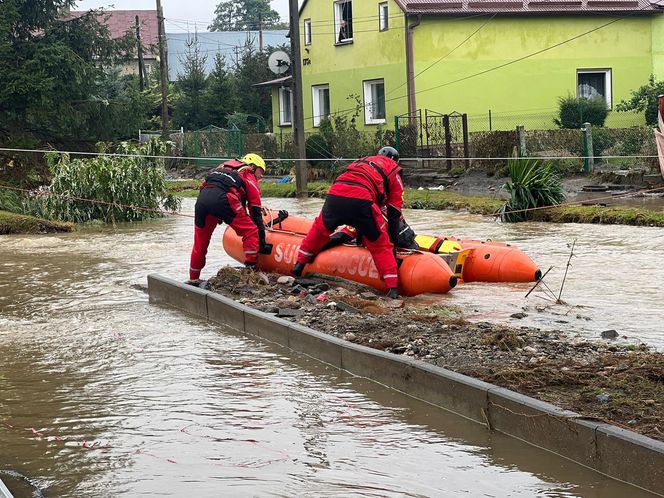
x=514 y=61
x=448 y=53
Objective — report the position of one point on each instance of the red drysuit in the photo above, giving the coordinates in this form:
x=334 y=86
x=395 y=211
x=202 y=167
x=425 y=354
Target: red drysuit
x=227 y=195
x=355 y=199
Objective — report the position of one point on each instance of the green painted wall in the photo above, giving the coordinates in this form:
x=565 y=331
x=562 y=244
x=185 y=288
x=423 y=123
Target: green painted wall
x=526 y=92
x=372 y=55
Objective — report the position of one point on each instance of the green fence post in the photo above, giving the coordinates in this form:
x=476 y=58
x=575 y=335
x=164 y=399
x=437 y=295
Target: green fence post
x=396 y=132
x=490 y=127
x=589 y=157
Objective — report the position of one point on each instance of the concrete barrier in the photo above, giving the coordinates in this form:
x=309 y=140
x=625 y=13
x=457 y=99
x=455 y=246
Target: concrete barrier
x=615 y=452
x=4 y=492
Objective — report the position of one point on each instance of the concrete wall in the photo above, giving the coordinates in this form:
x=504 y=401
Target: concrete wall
x=616 y=452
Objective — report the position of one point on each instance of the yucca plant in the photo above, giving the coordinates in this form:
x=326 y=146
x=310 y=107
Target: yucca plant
x=532 y=185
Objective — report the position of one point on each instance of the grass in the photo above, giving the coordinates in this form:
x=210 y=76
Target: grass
x=441 y=199
x=12 y=223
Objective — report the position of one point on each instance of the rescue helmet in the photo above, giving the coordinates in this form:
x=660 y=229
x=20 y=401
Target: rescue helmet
x=390 y=152
x=254 y=160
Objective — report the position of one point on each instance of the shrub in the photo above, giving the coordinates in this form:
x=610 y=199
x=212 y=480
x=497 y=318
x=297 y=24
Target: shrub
x=317 y=148
x=574 y=112
x=643 y=99
x=532 y=185
x=129 y=188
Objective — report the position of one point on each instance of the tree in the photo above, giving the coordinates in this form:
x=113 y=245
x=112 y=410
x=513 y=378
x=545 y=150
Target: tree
x=244 y=15
x=51 y=69
x=189 y=107
x=645 y=99
x=221 y=93
x=252 y=68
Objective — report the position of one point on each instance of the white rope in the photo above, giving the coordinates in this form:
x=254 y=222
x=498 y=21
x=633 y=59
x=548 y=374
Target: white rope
x=349 y=159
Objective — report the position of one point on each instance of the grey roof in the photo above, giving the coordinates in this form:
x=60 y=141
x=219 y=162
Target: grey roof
x=456 y=7
x=210 y=43
x=277 y=82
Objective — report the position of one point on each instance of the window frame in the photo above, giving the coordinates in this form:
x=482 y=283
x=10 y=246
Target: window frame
x=383 y=17
x=608 y=83
x=368 y=103
x=307 y=32
x=282 y=107
x=338 y=17
x=316 y=102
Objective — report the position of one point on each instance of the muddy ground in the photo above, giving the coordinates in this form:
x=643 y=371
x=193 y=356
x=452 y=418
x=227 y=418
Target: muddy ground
x=622 y=385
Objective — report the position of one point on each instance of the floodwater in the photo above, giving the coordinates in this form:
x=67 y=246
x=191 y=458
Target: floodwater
x=102 y=394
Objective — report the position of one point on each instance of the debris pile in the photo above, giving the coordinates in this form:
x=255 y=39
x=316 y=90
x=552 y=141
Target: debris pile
x=620 y=384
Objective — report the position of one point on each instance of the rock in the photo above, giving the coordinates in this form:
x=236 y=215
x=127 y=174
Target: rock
x=341 y=306
x=603 y=398
x=289 y=313
x=519 y=315
x=331 y=305
x=529 y=350
x=322 y=298
x=286 y=280
x=349 y=336
x=369 y=296
x=610 y=334
x=271 y=309
x=306 y=282
x=321 y=287
x=297 y=289
x=649 y=402
x=632 y=422
x=395 y=303
x=310 y=299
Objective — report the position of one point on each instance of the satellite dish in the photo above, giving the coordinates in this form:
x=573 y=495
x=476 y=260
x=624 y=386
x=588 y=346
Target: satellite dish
x=279 y=62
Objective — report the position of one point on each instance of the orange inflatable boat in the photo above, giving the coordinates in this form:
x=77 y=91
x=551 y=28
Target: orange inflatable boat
x=487 y=262
x=419 y=273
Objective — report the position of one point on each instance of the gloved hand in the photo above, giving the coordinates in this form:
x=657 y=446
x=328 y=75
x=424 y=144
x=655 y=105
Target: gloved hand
x=265 y=248
x=283 y=214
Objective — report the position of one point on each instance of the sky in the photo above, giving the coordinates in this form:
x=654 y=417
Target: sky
x=180 y=15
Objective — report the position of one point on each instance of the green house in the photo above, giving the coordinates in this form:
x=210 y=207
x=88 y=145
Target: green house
x=500 y=62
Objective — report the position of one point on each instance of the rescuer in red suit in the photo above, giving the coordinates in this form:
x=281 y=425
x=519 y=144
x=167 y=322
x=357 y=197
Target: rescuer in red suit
x=355 y=199
x=230 y=194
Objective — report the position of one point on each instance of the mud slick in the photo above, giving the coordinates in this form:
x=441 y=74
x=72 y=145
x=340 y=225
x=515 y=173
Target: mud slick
x=618 y=384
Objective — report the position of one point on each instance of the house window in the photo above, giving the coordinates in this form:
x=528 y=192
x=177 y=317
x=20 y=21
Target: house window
x=285 y=106
x=343 y=21
x=307 y=31
x=594 y=83
x=383 y=23
x=374 y=102
x=321 y=103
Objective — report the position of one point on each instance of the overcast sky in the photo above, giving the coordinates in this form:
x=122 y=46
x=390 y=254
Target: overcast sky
x=179 y=14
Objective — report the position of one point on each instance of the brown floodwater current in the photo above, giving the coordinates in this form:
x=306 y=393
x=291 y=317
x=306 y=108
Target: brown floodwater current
x=102 y=394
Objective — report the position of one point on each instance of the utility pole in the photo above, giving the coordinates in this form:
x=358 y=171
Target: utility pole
x=163 y=70
x=298 y=111
x=142 y=73
x=260 y=33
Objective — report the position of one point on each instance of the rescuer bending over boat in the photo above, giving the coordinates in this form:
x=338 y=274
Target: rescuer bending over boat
x=230 y=194
x=356 y=198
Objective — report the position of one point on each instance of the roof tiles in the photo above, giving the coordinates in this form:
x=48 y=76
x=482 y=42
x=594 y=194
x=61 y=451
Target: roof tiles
x=447 y=7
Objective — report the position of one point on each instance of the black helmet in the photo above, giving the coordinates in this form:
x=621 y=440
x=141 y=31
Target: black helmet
x=390 y=152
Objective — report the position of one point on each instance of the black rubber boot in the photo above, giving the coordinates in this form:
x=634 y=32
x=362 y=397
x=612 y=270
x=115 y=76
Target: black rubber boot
x=392 y=293
x=298 y=269
x=251 y=266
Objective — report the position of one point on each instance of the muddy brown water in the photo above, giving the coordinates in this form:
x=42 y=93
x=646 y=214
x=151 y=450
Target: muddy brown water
x=102 y=394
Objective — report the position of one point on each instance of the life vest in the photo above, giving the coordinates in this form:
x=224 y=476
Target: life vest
x=356 y=174
x=226 y=177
